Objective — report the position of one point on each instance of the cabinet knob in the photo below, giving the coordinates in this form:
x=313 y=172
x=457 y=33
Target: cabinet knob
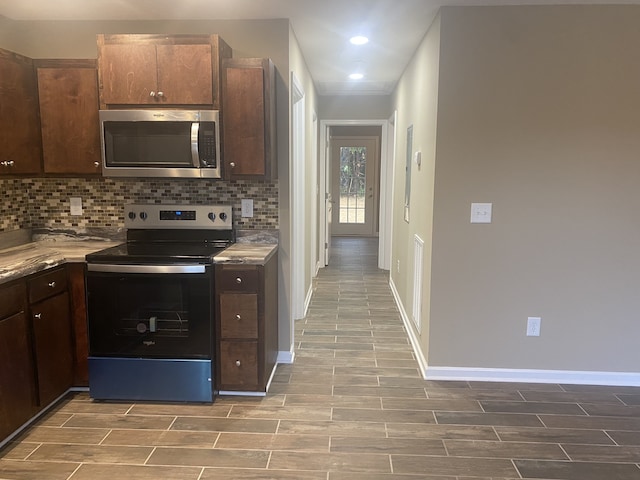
x=238 y=280
x=37 y=315
x=96 y=164
x=238 y=363
x=152 y=93
x=238 y=317
x=232 y=164
x=7 y=163
x=161 y=94
x=52 y=284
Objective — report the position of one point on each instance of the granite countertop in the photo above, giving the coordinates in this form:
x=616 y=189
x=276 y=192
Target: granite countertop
x=33 y=257
x=51 y=249
x=247 y=253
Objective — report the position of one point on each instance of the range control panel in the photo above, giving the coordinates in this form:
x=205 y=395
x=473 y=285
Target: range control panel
x=216 y=217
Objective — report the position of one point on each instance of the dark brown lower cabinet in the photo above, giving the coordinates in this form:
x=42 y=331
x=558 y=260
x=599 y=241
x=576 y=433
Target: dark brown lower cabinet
x=75 y=277
x=246 y=325
x=52 y=347
x=17 y=387
x=36 y=346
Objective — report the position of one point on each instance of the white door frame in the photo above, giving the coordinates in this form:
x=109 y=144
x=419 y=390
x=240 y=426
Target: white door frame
x=386 y=183
x=297 y=210
x=315 y=255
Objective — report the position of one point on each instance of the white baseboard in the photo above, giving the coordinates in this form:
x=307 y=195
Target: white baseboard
x=410 y=328
x=307 y=300
x=285 y=357
x=575 y=377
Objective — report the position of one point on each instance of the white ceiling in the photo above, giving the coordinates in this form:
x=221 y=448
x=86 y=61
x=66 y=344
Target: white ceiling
x=322 y=27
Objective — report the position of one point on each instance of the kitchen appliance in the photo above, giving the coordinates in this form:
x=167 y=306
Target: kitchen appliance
x=160 y=143
x=150 y=305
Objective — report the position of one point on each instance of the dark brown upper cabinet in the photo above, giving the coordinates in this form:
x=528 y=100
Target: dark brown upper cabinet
x=68 y=94
x=248 y=119
x=160 y=70
x=20 y=144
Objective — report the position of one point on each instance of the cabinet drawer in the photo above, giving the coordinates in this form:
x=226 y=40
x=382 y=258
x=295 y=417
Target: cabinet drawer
x=238 y=363
x=239 y=315
x=12 y=300
x=47 y=285
x=239 y=280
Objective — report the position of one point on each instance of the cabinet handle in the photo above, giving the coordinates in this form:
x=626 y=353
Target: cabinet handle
x=232 y=164
x=238 y=317
x=52 y=284
x=37 y=315
x=238 y=363
x=238 y=280
x=7 y=163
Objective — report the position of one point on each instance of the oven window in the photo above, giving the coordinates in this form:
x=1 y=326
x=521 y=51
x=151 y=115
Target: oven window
x=150 y=315
x=148 y=144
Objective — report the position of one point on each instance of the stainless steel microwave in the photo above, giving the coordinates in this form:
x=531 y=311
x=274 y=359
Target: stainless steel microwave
x=160 y=143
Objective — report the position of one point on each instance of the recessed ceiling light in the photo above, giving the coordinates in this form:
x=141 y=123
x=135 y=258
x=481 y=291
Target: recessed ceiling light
x=359 y=40
x=356 y=76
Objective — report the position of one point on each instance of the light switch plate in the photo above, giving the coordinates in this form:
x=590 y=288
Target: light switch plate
x=247 y=207
x=75 y=205
x=481 y=212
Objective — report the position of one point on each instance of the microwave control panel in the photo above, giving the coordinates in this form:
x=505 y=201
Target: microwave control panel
x=207 y=147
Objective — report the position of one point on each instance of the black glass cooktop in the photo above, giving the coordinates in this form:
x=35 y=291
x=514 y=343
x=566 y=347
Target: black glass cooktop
x=161 y=247
x=156 y=253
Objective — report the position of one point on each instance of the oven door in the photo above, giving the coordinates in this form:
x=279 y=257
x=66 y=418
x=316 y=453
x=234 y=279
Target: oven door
x=150 y=311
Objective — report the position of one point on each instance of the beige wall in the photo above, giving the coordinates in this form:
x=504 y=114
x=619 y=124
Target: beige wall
x=415 y=100
x=360 y=107
x=538 y=113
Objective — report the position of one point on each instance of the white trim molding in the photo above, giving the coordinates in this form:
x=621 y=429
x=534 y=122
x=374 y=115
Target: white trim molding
x=575 y=377
x=410 y=328
x=285 y=357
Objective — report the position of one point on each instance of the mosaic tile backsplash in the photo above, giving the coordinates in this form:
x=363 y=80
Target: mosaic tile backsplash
x=44 y=202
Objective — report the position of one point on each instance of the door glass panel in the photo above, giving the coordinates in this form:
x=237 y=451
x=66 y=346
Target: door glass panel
x=353 y=169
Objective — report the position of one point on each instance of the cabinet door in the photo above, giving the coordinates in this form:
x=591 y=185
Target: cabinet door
x=69 y=117
x=53 y=349
x=249 y=118
x=78 y=304
x=185 y=74
x=128 y=74
x=239 y=315
x=17 y=380
x=20 y=144
x=238 y=364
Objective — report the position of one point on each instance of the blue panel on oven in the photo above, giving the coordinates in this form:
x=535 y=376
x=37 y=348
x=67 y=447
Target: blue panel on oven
x=150 y=379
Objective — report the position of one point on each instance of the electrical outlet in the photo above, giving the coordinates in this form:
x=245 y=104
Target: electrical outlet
x=75 y=205
x=247 y=207
x=533 y=326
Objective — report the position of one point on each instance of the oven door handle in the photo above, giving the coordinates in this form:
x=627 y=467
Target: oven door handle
x=109 y=268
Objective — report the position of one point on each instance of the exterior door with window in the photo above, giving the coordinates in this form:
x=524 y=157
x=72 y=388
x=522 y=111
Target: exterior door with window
x=354 y=169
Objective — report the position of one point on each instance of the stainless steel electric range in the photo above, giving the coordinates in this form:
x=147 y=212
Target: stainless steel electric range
x=150 y=305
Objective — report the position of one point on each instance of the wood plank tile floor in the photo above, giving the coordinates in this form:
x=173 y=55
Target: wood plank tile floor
x=352 y=407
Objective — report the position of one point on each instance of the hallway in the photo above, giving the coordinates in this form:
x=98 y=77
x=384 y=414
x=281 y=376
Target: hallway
x=352 y=407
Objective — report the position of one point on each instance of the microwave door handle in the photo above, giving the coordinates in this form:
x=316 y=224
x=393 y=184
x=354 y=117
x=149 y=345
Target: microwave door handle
x=195 y=155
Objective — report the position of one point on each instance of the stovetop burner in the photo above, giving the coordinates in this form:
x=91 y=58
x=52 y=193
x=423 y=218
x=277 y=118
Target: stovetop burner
x=161 y=234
